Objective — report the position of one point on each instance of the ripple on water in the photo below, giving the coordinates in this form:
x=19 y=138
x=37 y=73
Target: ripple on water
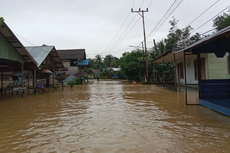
x=110 y=116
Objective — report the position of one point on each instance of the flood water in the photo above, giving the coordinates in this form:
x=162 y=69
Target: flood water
x=110 y=116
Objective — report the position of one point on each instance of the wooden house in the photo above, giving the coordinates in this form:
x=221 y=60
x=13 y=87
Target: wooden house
x=48 y=62
x=73 y=59
x=14 y=58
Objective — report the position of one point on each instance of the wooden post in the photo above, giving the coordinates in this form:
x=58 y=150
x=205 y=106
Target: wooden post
x=185 y=80
x=175 y=77
x=28 y=80
x=156 y=74
x=163 y=72
x=1 y=83
x=199 y=75
x=53 y=75
x=35 y=81
x=33 y=78
x=62 y=84
x=22 y=81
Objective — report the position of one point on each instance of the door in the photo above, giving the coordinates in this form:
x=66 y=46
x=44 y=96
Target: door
x=180 y=72
x=202 y=66
x=203 y=72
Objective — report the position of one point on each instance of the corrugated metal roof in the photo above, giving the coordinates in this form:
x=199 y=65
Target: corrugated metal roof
x=168 y=55
x=39 y=53
x=206 y=39
x=13 y=40
x=72 y=54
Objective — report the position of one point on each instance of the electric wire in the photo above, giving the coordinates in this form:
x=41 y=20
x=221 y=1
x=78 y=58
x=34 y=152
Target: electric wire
x=127 y=33
x=23 y=38
x=150 y=4
x=204 y=12
x=117 y=31
x=121 y=27
x=156 y=28
x=211 y=19
x=115 y=44
x=133 y=3
x=121 y=38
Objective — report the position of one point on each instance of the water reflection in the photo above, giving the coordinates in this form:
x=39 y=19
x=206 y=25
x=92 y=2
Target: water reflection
x=111 y=116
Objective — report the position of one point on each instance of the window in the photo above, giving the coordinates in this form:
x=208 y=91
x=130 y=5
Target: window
x=73 y=62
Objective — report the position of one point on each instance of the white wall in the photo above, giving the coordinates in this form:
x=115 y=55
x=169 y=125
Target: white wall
x=71 y=69
x=190 y=69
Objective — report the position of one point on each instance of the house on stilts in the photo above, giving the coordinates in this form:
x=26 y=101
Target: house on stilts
x=16 y=63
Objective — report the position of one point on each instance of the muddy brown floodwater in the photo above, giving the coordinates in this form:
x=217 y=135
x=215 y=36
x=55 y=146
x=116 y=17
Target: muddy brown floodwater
x=110 y=116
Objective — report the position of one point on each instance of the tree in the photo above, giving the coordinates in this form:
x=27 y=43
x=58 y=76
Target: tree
x=98 y=60
x=105 y=73
x=109 y=60
x=89 y=70
x=93 y=63
x=1 y=21
x=221 y=21
x=133 y=66
x=177 y=38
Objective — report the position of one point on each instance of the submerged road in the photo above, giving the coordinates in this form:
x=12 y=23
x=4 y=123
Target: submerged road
x=110 y=116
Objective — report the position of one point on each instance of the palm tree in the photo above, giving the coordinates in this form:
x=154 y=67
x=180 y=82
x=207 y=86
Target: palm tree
x=98 y=59
x=108 y=60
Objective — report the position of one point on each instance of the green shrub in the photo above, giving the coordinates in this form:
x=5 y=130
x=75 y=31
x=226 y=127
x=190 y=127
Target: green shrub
x=71 y=83
x=77 y=81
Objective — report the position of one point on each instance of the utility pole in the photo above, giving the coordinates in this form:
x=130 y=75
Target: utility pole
x=146 y=56
x=143 y=51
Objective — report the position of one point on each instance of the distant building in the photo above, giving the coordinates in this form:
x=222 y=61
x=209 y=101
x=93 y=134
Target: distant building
x=73 y=59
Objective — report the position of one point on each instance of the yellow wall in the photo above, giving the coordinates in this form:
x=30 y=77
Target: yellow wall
x=217 y=67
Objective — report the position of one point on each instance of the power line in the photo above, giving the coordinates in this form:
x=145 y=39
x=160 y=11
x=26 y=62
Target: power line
x=125 y=34
x=142 y=3
x=203 y=12
x=157 y=28
x=118 y=42
x=211 y=19
x=133 y=3
x=121 y=38
x=23 y=38
x=111 y=51
x=161 y=19
x=118 y=31
x=150 y=4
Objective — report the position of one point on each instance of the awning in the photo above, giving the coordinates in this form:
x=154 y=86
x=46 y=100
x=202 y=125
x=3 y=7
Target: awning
x=47 y=71
x=83 y=63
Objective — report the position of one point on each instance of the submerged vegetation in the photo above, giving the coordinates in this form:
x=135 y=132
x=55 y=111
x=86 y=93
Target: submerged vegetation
x=73 y=82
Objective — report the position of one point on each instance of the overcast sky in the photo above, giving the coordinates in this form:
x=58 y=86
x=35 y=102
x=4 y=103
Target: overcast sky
x=92 y=24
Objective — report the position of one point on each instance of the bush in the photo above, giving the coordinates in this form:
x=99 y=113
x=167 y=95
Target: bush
x=73 y=82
